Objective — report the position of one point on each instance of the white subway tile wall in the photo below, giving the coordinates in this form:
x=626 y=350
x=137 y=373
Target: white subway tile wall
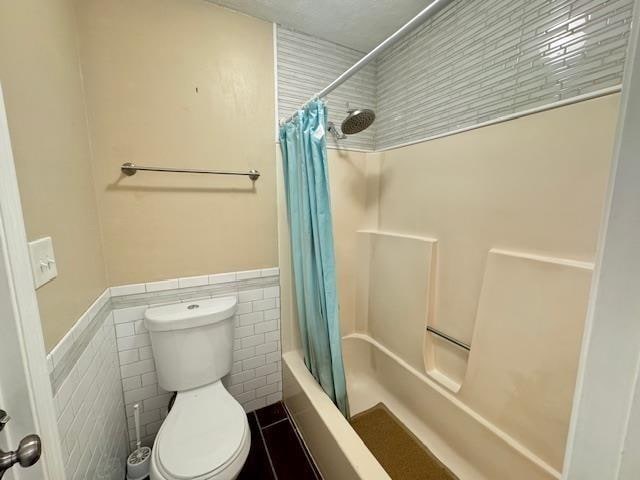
x=90 y=409
x=476 y=61
x=104 y=365
x=255 y=379
x=307 y=64
x=187 y=282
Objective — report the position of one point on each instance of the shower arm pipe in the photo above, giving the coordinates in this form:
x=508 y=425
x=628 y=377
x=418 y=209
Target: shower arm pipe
x=425 y=13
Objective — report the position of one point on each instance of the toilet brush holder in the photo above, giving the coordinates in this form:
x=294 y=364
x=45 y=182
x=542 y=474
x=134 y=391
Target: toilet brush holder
x=139 y=462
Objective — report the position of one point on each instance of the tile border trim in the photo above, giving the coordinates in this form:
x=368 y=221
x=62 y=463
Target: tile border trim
x=512 y=116
x=69 y=349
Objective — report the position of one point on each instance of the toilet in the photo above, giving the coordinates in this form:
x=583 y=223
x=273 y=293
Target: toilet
x=206 y=435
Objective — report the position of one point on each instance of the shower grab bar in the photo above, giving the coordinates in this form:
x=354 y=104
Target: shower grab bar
x=449 y=338
x=131 y=169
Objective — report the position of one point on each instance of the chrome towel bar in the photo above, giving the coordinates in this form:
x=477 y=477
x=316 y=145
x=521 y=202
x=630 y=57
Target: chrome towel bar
x=449 y=338
x=131 y=169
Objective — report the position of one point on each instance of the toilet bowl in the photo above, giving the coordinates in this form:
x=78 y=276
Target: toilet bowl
x=206 y=434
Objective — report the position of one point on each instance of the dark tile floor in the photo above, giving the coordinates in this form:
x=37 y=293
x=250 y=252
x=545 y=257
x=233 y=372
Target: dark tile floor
x=277 y=452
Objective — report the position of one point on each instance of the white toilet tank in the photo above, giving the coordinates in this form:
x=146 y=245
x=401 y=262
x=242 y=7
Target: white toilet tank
x=192 y=341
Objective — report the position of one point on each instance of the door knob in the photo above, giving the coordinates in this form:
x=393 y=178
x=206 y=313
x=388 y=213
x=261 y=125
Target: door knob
x=4 y=419
x=27 y=454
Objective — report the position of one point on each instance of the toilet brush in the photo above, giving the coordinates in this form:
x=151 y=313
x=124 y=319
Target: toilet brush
x=140 y=459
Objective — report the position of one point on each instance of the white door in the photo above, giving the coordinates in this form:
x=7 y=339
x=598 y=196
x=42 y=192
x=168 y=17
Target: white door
x=25 y=391
x=14 y=390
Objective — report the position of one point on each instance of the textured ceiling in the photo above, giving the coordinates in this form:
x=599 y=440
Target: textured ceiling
x=359 y=24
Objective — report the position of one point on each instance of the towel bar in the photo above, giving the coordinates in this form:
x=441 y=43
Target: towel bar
x=131 y=169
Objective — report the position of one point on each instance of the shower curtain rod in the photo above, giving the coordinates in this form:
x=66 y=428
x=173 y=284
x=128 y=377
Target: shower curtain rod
x=425 y=13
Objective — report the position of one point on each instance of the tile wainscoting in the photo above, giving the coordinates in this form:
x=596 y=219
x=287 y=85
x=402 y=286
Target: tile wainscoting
x=104 y=365
x=85 y=378
x=256 y=376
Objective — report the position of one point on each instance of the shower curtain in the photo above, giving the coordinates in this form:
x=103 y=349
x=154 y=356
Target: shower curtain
x=304 y=153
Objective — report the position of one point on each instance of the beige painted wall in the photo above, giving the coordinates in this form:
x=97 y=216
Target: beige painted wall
x=39 y=72
x=180 y=83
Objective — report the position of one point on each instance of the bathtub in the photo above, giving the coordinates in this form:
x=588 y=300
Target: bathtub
x=471 y=447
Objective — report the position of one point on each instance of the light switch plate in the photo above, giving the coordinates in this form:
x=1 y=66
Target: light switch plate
x=43 y=261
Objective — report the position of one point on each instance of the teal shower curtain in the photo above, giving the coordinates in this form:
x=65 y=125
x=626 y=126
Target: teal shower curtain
x=304 y=153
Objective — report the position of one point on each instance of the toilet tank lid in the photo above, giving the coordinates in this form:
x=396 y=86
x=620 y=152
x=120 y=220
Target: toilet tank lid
x=179 y=316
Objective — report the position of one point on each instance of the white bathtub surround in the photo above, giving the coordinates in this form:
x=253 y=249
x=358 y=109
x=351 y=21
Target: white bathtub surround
x=408 y=263
x=255 y=379
x=519 y=298
x=337 y=449
x=376 y=374
x=88 y=397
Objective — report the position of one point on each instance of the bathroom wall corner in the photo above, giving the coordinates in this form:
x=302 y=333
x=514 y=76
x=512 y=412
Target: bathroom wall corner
x=373 y=179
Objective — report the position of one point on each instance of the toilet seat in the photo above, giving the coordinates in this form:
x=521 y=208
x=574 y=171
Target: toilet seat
x=205 y=436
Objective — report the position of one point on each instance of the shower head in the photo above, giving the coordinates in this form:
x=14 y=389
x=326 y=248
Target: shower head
x=358 y=120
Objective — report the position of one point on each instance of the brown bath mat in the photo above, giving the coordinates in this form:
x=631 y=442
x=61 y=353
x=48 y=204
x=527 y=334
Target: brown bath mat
x=399 y=452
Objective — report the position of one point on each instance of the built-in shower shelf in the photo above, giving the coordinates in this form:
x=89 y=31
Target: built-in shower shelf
x=394 y=290
x=445 y=362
